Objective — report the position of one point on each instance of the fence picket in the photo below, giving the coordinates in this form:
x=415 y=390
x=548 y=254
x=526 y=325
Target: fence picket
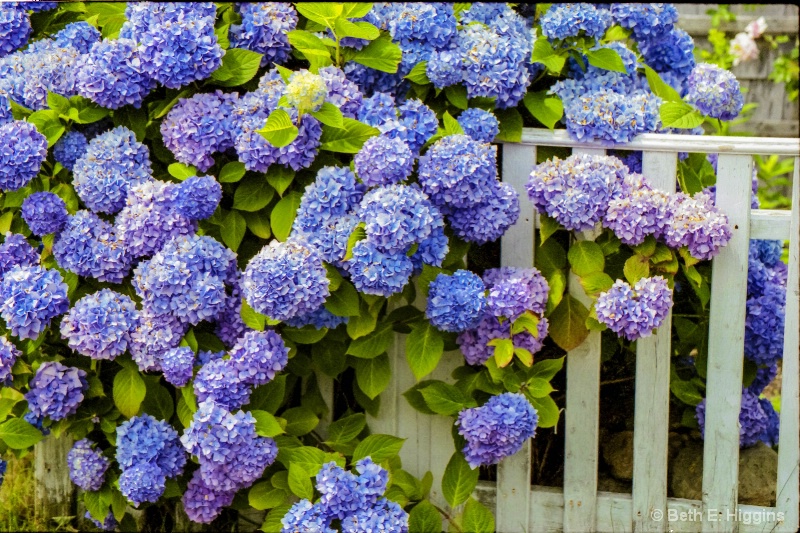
x=726 y=344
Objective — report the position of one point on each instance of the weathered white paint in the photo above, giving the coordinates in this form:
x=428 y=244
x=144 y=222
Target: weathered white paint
x=54 y=489
x=770 y=224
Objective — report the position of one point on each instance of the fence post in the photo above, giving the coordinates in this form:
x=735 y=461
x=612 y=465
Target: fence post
x=54 y=490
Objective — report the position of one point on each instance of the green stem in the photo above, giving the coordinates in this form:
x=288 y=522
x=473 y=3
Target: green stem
x=448 y=517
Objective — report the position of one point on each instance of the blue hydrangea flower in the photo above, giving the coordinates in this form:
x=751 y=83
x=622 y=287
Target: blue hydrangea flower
x=371 y=81
x=481 y=125
x=257 y=356
x=142 y=482
x=497 y=429
x=474 y=342
x=768 y=252
x=257 y=154
x=342 y=92
x=612 y=117
x=114 y=162
x=333 y=194
x=264 y=29
x=647 y=21
x=415 y=124
x=306 y=91
x=197 y=197
x=458 y=171
x=772 y=431
x=108 y=524
x=22 y=151
x=177 y=44
x=81 y=35
x=575 y=191
x=56 y=391
x=303 y=516
x=177 y=364
x=229 y=324
x=87 y=466
x=696 y=222
x=16 y=251
x=488 y=220
x=634 y=312
x=145 y=440
x=6 y=115
x=152 y=336
x=198 y=127
x=377 y=109
x=202 y=503
x=88 y=246
x=568 y=20
x=342 y=493
x=444 y=67
x=111 y=75
x=218 y=382
x=99 y=324
x=149 y=219
x=15 y=29
x=764 y=377
x=456 y=302
x=204 y=357
x=383 y=161
x=512 y=291
x=8 y=356
x=285 y=280
x=764 y=325
x=431 y=251
x=634 y=216
x=69 y=148
x=34 y=6
x=752 y=419
x=714 y=91
x=397 y=216
x=672 y=52
x=321 y=318
x=385 y=516
x=376 y=272
x=30 y=297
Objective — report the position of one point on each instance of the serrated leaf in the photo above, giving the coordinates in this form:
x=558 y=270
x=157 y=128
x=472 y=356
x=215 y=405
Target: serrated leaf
x=424 y=349
x=233 y=229
x=424 y=518
x=263 y=496
x=543 y=53
x=378 y=447
x=503 y=351
x=568 y=323
x=444 y=399
x=251 y=318
x=547 y=109
x=477 y=518
x=320 y=12
x=373 y=375
x=357 y=30
x=19 y=434
x=659 y=87
x=280 y=178
x=636 y=268
x=607 y=59
x=300 y=482
x=343 y=301
x=330 y=115
x=546 y=409
x=48 y=124
x=129 y=391
x=346 y=429
x=238 y=67
x=253 y=194
x=586 y=257
x=58 y=103
x=596 y=282
x=374 y=344
x=547 y=226
x=312 y=47
x=457 y=95
x=258 y=223
x=231 y=172
x=419 y=74
x=451 y=125
x=680 y=115
x=300 y=420
x=459 y=480
x=348 y=139
x=266 y=424
x=181 y=171
x=359 y=233
x=279 y=130
x=381 y=54
x=283 y=215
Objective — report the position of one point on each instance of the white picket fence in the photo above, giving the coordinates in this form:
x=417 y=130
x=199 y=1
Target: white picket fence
x=518 y=506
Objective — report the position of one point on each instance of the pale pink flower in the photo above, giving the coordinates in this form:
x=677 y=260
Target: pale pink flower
x=743 y=48
x=756 y=28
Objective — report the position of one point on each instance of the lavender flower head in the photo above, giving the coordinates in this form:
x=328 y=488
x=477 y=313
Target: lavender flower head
x=481 y=125
x=753 y=420
x=647 y=21
x=634 y=312
x=80 y=35
x=376 y=272
x=145 y=440
x=264 y=29
x=474 y=342
x=88 y=246
x=258 y=356
x=456 y=302
x=56 y=391
x=70 y=148
x=24 y=150
x=8 y=356
x=672 y=52
x=512 y=291
x=87 y=466
x=568 y=20
x=397 y=216
x=177 y=364
x=112 y=76
x=197 y=197
x=383 y=161
x=637 y=214
x=497 y=429
x=30 y=297
x=142 y=482
x=15 y=29
x=201 y=502
x=764 y=325
x=99 y=324
x=16 y=251
x=715 y=92
x=218 y=381
x=488 y=220
x=153 y=335
x=695 y=222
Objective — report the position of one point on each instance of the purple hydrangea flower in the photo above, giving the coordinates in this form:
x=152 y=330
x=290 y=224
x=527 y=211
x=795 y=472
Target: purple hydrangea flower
x=145 y=440
x=612 y=117
x=108 y=524
x=481 y=125
x=30 y=297
x=568 y=20
x=497 y=429
x=376 y=272
x=764 y=325
x=764 y=377
x=715 y=92
x=153 y=335
x=229 y=324
x=56 y=391
x=142 y=482
x=285 y=280
x=431 y=251
x=87 y=466
x=397 y=216
x=334 y=193
x=16 y=251
x=696 y=222
x=99 y=324
x=177 y=364
x=257 y=356
x=8 y=356
x=415 y=124
x=321 y=318
x=385 y=516
x=202 y=503
x=70 y=148
x=488 y=220
x=474 y=342
x=6 y=115
x=23 y=150
x=377 y=109
x=343 y=493
x=111 y=75
x=218 y=382
x=456 y=302
x=635 y=215
x=634 y=312
x=303 y=516
x=512 y=291
x=772 y=431
x=264 y=29
x=197 y=197
x=88 y=246
x=114 y=162
x=752 y=419
x=342 y=92
x=458 y=171
x=383 y=161
x=80 y=35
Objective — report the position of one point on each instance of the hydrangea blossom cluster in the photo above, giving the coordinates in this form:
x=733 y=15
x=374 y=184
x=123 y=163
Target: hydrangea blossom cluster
x=112 y=75
x=753 y=420
x=8 y=356
x=479 y=124
x=70 y=148
x=355 y=500
x=384 y=160
x=306 y=91
x=109 y=523
x=99 y=324
x=612 y=117
x=569 y=20
x=89 y=246
x=647 y=21
x=695 y=222
x=152 y=336
x=264 y=29
x=3 y=468
x=177 y=364
x=497 y=429
x=148 y=452
x=231 y=457
x=634 y=312
x=30 y=297
x=342 y=92
x=87 y=466
x=24 y=150
x=56 y=391
x=456 y=303
x=81 y=35
x=16 y=251
x=715 y=92
x=15 y=29
x=642 y=211
x=765 y=311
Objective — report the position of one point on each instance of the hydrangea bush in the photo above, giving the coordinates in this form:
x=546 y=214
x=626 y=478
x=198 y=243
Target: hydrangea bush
x=211 y=209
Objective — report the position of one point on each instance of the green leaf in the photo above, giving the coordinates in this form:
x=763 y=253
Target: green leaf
x=424 y=518
x=300 y=482
x=586 y=257
x=167 y=105
x=419 y=74
x=157 y=399
x=359 y=233
x=527 y=321
x=659 y=87
x=459 y=480
x=272 y=522
x=547 y=109
x=547 y=226
x=133 y=119
x=606 y=58
x=543 y=53
x=444 y=399
x=415 y=399
x=457 y=95
x=181 y=171
x=550 y=256
x=378 y=447
x=546 y=409
x=424 y=349
x=477 y=518
x=232 y=230
x=547 y=369
x=258 y=223
x=374 y=344
x=685 y=391
x=129 y=391
x=19 y=434
x=373 y=375
x=503 y=351
x=231 y=172
x=358 y=30
x=320 y=12
x=251 y=318
x=330 y=115
x=596 y=282
x=279 y=130
x=344 y=300
x=308 y=458
x=568 y=323
x=253 y=194
x=451 y=125
x=680 y=115
x=381 y=54
x=95 y=505
x=266 y=424
x=313 y=49
x=306 y=335
x=348 y=139
x=283 y=215
x=616 y=33
x=48 y=124
x=58 y=103
x=510 y=125
x=280 y=178
x=354 y=10
x=539 y=388
x=636 y=268
x=346 y=429
x=238 y=67
x=263 y=496
x=84 y=111
x=300 y=421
